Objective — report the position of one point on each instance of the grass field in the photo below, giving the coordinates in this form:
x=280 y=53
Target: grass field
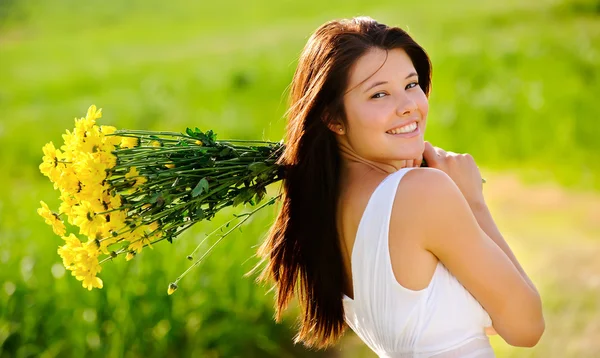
x=515 y=83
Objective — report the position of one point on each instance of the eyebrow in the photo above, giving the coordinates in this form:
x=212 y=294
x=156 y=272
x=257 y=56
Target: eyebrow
x=379 y=83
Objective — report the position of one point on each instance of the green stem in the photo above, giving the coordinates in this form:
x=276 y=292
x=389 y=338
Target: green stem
x=197 y=262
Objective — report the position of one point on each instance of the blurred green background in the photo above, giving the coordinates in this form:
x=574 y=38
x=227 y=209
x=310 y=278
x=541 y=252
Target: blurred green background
x=515 y=83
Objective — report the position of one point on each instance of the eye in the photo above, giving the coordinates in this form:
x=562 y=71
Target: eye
x=412 y=85
x=378 y=95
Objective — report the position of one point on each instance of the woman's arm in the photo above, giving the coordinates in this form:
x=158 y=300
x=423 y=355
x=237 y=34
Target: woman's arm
x=461 y=168
x=486 y=222
x=451 y=232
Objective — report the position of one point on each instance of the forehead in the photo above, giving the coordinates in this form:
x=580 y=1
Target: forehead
x=378 y=64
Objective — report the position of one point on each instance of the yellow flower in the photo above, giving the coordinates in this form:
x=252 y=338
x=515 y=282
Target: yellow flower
x=88 y=266
x=129 y=142
x=51 y=154
x=73 y=141
x=107 y=130
x=45 y=212
x=52 y=219
x=90 y=281
x=198 y=142
x=108 y=139
x=68 y=252
x=130 y=255
x=139 y=179
x=66 y=205
x=156 y=143
x=49 y=166
x=107 y=158
x=136 y=246
x=86 y=219
x=93 y=113
x=82 y=128
x=138 y=238
x=153 y=226
x=170 y=166
x=68 y=181
x=92 y=141
x=172 y=288
x=116 y=223
x=82 y=261
x=132 y=173
x=115 y=201
x=90 y=170
x=152 y=232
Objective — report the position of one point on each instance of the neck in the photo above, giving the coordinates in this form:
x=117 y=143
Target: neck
x=350 y=160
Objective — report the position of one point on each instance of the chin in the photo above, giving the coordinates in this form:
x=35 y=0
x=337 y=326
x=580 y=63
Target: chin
x=413 y=152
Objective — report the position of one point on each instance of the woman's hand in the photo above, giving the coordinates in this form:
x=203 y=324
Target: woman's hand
x=461 y=168
x=490 y=331
x=410 y=163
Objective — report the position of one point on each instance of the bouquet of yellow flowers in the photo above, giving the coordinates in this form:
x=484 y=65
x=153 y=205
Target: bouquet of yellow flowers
x=123 y=190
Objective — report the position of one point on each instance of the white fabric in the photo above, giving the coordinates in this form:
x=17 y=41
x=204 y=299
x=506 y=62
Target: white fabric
x=443 y=320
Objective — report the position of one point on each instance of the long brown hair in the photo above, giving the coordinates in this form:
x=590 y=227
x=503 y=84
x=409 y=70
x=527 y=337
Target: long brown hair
x=302 y=248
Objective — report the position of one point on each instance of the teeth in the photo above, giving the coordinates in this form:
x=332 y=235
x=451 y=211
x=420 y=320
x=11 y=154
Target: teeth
x=406 y=129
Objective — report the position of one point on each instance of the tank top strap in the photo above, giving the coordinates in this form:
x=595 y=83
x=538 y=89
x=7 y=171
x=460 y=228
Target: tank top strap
x=372 y=271
x=383 y=197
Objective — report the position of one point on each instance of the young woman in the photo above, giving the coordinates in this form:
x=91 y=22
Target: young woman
x=409 y=257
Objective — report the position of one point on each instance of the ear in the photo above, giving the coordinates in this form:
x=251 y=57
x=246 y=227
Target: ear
x=334 y=125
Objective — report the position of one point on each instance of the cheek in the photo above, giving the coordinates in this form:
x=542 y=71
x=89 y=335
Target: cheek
x=365 y=129
x=423 y=105
x=425 y=108
x=367 y=119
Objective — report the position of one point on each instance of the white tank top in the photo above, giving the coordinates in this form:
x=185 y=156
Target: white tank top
x=442 y=320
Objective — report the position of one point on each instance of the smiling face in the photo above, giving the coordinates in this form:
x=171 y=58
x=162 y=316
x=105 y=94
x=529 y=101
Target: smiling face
x=386 y=109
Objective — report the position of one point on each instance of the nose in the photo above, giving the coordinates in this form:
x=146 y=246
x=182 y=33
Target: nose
x=406 y=106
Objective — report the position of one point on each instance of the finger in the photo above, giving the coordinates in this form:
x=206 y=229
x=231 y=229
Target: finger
x=440 y=152
x=490 y=331
x=430 y=154
x=419 y=161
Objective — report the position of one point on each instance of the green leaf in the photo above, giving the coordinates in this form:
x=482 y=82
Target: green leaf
x=265 y=176
x=225 y=152
x=242 y=197
x=200 y=188
x=199 y=214
x=260 y=194
x=257 y=167
x=155 y=197
x=238 y=200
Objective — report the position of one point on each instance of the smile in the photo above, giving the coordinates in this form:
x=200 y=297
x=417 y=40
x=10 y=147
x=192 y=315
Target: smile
x=409 y=128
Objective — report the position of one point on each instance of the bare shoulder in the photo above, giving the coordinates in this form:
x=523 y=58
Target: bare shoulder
x=426 y=189
x=423 y=196
x=436 y=204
